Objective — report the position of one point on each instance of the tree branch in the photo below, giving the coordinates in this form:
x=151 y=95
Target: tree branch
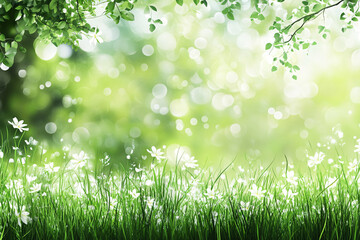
x=307 y=18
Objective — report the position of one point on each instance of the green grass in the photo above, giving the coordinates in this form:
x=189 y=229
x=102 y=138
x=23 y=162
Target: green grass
x=170 y=202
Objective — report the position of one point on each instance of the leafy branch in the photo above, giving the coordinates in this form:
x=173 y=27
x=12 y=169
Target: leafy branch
x=306 y=19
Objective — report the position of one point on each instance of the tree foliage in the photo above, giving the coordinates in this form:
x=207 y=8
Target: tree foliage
x=66 y=21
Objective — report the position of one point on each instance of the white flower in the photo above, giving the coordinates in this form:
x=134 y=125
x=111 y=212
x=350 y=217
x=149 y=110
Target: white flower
x=316 y=159
x=189 y=162
x=348 y=15
x=149 y=183
x=30 y=178
x=257 y=192
x=330 y=183
x=150 y=202
x=31 y=141
x=291 y=178
x=194 y=182
x=245 y=206
x=95 y=37
x=289 y=194
x=353 y=166
x=139 y=169
x=19 y=124
x=241 y=181
x=357 y=147
x=113 y=203
x=78 y=160
x=212 y=194
x=156 y=153
x=50 y=168
x=22 y=216
x=35 y=188
x=15 y=185
x=134 y=194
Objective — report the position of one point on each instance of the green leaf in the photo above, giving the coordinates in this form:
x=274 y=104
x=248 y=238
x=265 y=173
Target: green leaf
x=254 y=15
x=305 y=45
x=180 y=2
x=321 y=28
x=127 y=16
x=147 y=10
x=230 y=15
x=52 y=4
x=274 y=68
x=317 y=7
x=62 y=25
x=294 y=77
x=110 y=7
x=268 y=46
x=22 y=49
x=14 y=45
x=196 y=2
x=2 y=37
x=261 y=17
x=8 y=6
x=295 y=67
x=8 y=61
x=152 y=27
x=153 y=8
x=18 y=38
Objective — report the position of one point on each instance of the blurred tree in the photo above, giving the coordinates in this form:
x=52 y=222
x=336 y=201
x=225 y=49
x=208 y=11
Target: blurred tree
x=66 y=22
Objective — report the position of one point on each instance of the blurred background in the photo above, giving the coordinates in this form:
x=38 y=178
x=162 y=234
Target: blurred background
x=199 y=81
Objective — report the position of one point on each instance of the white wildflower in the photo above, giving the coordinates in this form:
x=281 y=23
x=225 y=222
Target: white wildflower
x=19 y=124
x=156 y=153
x=78 y=160
x=31 y=141
x=113 y=203
x=331 y=182
x=316 y=159
x=149 y=183
x=348 y=15
x=212 y=194
x=22 y=216
x=139 y=169
x=289 y=194
x=245 y=206
x=50 y=168
x=257 y=191
x=242 y=181
x=95 y=37
x=150 y=202
x=134 y=194
x=35 y=188
x=30 y=178
x=189 y=162
x=357 y=147
x=353 y=165
x=290 y=177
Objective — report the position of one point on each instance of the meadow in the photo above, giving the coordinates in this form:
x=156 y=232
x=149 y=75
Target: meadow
x=64 y=195
x=125 y=119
